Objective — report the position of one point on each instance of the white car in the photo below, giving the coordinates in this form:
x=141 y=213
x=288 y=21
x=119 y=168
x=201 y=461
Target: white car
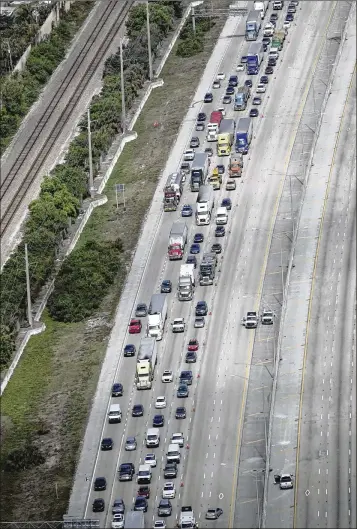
x=178 y=325
x=221 y=76
x=169 y=491
x=150 y=459
x=286 y=24
x=268 y=30
x=261 y=88
x=216 y=84
x=189 y=155
x=160 y=403
x=240 y=67
x=223 y=110
x=167 y=376
x=118 y=521
x=177 y=439
x=159 y=524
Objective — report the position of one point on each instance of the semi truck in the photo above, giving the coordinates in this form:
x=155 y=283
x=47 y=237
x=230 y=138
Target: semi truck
x=134 y=520
x=215 y=179
x=252 y=25
x=235 y=165
x=225 y=137
x=173 y=191
x=255 y=57
x=208 y=269
x=244 y=134
x=261 y=7
x=186 y=285
x=204 y=205
x=241 y=97
x=221 y=216
x=157 y=316
x=177 y=240
x=146 y=362
x=213 y=125
x=199 y=170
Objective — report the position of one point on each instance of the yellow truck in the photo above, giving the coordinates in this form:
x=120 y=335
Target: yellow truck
x=225 y=137
x=215 y=179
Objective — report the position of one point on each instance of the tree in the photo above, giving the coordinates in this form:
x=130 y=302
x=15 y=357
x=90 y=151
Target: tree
x=74 y=178
x=7 y=345
x=44 y=212
x=136 y=20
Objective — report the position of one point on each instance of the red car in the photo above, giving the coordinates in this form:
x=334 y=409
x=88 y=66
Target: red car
x=134 y=326
x=192 y=345
x=144 y=491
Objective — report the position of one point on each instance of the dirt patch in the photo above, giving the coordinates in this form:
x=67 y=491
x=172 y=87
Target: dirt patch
x=50 y=395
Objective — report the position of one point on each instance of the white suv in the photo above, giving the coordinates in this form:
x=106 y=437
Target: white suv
x=169 y=491
x=167 y=376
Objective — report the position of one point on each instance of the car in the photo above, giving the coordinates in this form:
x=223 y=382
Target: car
x=222 y=110
x=100 y=484
x=216 y=84
x=158 y=421
x=185 y=168
x=289 y=17
x=98 y=505
x=169 y=491
x=180 y=413
x=257 y=100
x=195 y=142
x=189 y=155
x=160 y=403
x=159 y=524
x=199 y=322
x=231 y=185
x=244 y=59
x=182 y=391
x=141 y=504
x=118 y=506
x=294 y=2
x=291 y=8
x=191 y=357
x=193 y=345
x=216 y=248
x=165 y=508
x=150 y=459
x=117 y=389
x=167 y=376
x=229 y=90
x=220 y=231
x=186 y=377
x=208 y=97
x=170 y=470
x=200 y=126
x=166 y=286
x=141 y=310
x=118 y=521
x=138 y=410
x=221 y=76
x=213 y=514
x=130 y=444
x=226 y=203
x=186 y=211
x=201 y=116
x=265 y=47
x=144 y=491
x=227 y=100
x=195 y=248
x=199 y=237
x=240 y=67
x=220 y=168
x=286 y=24
x=191 y=259
x=266 y=40
x=107 y=443
x=271 y=61
x=201 y=308
x=126 y=472
x=135 y=326
x=248 y=82
x=274 y=17
x=264 y=79
x=269 y=70
x=233 y=80
x=273 y=23
x=209 y=151
x=261 y=88
x=253 y=113
x=177 y=439
x=129 y=350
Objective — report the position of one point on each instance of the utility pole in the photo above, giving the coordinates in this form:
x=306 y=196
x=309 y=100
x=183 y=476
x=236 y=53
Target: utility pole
x=193 y=20
x=149 y=39
x=292 y=207
x=10 y=56
x=123 y=113
x=91 y=182
x=29 y=305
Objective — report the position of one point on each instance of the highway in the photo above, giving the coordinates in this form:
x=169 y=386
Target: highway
x=215 y=407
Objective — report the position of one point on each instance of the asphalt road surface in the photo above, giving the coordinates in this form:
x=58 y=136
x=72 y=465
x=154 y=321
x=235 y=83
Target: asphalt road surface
x=215 y=406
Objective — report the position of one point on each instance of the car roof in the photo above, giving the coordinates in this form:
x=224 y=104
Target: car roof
x=130 y=438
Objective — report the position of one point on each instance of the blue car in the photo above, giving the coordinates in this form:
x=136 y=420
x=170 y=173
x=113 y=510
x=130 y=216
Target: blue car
x=129 y=350
x=117 y=390
x=198 y=237
x=186 y=211
x=221 y=169
x=249 y=83
x=289 y=17
x=195 y=248
x=233 y=80
x=208 y=98
x=191 y=259
x=158 y=421
x=227 y=203
x=230 y=91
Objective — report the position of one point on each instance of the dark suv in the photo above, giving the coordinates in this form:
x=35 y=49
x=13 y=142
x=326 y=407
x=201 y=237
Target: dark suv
x=126 y=472
x=201 y=308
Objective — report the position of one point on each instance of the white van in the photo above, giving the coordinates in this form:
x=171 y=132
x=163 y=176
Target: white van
x=221 y=216
x=152 y=437
x=173 y=454
x=144 y=474
x=114 y=414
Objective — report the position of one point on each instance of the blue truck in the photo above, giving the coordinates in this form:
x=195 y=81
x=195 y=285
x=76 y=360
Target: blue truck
x=244 y=134
x=253 y=25
x=255 y=57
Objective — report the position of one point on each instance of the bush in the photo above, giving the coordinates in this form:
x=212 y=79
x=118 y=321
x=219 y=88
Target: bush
x=189 y=47
x=7 y=345
x=189 y=43
x=23 y=458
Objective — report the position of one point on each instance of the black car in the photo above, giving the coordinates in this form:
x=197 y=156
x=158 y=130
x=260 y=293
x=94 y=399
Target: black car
x=209 y=151
x=201 y=116
x=126 y=472
x=200 y=126
x=271 y=61
x=100 y=484
x=129 y=350
x=191 y=357
x=170 y=470
x=227 y=100
x=158 y=421
x=269 y=70
x=253 y=113
x=166 y=286
x=264 y=79
x=226 y=203
x=118 y=506
x=265 y=46
x=221 y=169
x=117 y=390
x=220 y=231
x=186 y=377
x=230 y=90
x=249 y=83
x=273 y=17
x=141 y=504
x=98 y=505
x=266 y=40
x=216 y=248
x=165 y=508
x=180 y=413
x=141 y=310
x=233 y=80
x=191 y=259
x=289 y=17
x=138 y=410
x=107 y=443
x=195 y=142
x=208 y=97
x=201 y=308
x=198 y=238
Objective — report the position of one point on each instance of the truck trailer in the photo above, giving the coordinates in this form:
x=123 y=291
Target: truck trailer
x=146 y=362
x=208 y=269
x=225 y=137
x=134 y=520
x=173 y=191
x=199 y=170
x=186 y=285
x=157 y=316
x=255 y=57
x=252 y=25
x=177 y=240
x=204 y=205
x=261 y=7
x=244 y=134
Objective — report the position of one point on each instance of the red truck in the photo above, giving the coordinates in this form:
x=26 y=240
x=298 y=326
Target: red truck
x=177 y=240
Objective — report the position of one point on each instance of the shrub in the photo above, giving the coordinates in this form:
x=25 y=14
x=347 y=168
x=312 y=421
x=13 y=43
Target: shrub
x=190 y=43
x=23 y=458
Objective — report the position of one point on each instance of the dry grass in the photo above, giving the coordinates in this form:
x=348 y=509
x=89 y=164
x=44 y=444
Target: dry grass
x=49 y=397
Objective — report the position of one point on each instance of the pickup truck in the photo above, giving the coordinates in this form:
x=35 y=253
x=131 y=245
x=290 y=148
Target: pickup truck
x=178 y=325
x=250 y=321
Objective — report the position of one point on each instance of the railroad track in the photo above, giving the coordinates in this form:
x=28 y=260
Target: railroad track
x=31 y=172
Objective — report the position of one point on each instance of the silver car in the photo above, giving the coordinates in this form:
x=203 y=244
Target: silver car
x=130 y=444
x=199 y=322
x=213 y=514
